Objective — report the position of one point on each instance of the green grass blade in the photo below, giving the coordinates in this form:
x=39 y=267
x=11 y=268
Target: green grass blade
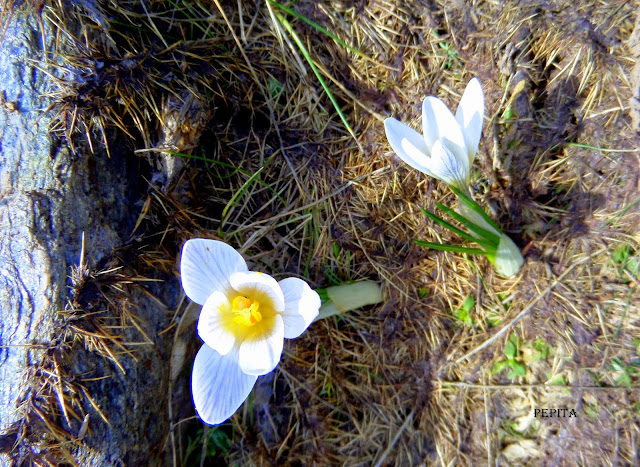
x=231 y=166
x=586 y=146
x=456 y=230
x=619 y=215
x=321 y=29
x=307 y=57
x=476 y=207
x=236 y=197
x=454 y=248
x=490 y=236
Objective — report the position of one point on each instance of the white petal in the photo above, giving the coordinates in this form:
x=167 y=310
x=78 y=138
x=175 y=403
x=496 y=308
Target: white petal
x=261 y=351
x=452 y=167
x=258 y=286
x=218 y=385
x=205 y=267
x=408 y=144
x=301 y=305
x=438 y=122
x=214 y=321
x=470 y=116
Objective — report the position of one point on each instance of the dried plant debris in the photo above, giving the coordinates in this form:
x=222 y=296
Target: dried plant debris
x=113 y=68
x=181 y=124
x=453 y=365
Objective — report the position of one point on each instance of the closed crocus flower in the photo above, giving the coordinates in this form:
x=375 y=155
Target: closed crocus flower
x=449 y=143
x=244 y=320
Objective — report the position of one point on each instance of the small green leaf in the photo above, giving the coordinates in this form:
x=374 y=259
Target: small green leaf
x=621 y=254
x=220 y=440
x=275 y=86
x=507 y=114
x=464 y=312
x=517 y=369
x=423 y=292
x=559 y=380
x=469 y=303
x=633 y=266
x=327 y=389
x=499 y=366
x=618 y=365
x=493 y=321
x=336 y=251
x=591 y=411
x=505 y=298
x=624 y=380
x=541 y=350
x=510 y=348
x=463 y=315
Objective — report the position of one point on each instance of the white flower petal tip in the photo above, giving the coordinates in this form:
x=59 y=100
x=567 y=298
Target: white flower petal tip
x=301 y=305
x=508 y=260
x=260 y=352
x=408 y=144
x=205 y=267
x=438 y=122
x=218 y=385
x=470 y=116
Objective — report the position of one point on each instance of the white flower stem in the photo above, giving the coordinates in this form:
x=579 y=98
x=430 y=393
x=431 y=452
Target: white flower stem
x=477 y=219
x=508 y=259
x=347 y=297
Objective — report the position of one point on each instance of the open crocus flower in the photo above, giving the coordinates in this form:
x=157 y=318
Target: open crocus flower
x=244 y=320
x=449 y=144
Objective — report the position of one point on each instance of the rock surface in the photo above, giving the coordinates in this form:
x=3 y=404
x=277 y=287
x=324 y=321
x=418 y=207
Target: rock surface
x=49 y=197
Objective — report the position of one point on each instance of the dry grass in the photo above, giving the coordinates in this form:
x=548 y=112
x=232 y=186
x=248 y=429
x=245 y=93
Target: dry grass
x=405 y=383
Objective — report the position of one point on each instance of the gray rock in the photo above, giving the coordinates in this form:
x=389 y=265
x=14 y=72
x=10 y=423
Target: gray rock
x=49 y=197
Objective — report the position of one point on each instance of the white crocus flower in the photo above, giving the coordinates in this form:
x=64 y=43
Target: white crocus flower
x=244 y=320
x=448 y=145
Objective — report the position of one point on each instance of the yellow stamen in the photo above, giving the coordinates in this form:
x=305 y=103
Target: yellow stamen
x=246 y=312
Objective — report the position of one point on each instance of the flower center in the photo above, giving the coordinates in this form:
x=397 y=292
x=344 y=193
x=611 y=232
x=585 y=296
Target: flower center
x=245 y=311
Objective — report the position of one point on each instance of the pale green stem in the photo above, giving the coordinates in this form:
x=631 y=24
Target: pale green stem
x=508 y=260
x=476 y=218
x=347 y=297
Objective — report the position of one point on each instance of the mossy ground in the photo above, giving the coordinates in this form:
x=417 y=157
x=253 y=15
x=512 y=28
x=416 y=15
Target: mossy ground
x=431 y=376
